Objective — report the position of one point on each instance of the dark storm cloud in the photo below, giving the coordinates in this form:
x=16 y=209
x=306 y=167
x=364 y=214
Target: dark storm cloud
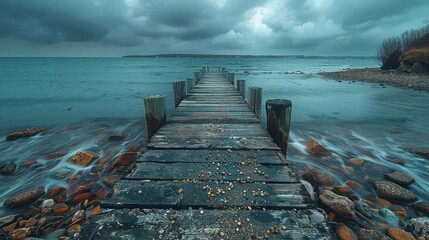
x=262 y=26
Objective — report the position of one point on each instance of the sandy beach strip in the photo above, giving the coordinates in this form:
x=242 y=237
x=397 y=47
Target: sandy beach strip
x=376 y=75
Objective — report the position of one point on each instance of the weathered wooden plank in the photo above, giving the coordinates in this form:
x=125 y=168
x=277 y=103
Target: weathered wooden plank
x=215 y=101
x=211 y=109
x=212 y=104
x=207 y=224
x=249 y=144
x=253 y=172
x=178 y=128
x=219 y=194
x=213 y=119
x=204 y=156
x=225 y=114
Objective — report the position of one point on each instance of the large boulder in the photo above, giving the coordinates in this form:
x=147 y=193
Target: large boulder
x=393 y=192
x=24 y=198
x=28 y=132
x=341 y=206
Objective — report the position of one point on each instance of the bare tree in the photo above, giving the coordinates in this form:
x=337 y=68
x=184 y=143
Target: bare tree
x=389 y=49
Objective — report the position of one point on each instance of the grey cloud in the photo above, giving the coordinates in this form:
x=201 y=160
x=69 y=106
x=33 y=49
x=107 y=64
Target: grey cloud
x=152 y=26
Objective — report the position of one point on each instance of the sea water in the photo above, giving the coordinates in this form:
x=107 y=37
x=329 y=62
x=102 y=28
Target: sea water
x=81 y=101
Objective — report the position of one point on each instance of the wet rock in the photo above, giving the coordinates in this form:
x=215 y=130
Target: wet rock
x=8 y=219
x=400 y=178
x=7 y=168
x=421 y=152
x=343 y=232
x=314 y=148
x=353 y=184
x=31 y=222
x=54 y=155
x=9 y=228
x=399 y=234
x=78 y=214
x=389 y=215
x=28 y=132
x=60 y=208
x=48 y=203
x=25 y=198
x=124 y=160
x=318 y=177
x=393 y=192
x=356 y=161
x=115 y=138
x=83 y=158
x=341 y=206
x=364 y=208
x=20 y=233
x=419 y=227
x=422 y=207
x=62 y=173
x=53 y=191
x=75 y=228
x=81 y=198
x=343 y=190
x=397 y=161
x=370 y=234
x=55 y=235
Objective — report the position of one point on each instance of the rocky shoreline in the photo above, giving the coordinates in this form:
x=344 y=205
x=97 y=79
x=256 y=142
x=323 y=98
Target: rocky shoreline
x=376 y=75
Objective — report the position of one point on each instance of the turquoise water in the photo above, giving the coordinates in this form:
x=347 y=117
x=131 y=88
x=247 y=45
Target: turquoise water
x=81 y=101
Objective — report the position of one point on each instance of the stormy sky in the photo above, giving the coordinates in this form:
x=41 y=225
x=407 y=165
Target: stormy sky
x=122 y=27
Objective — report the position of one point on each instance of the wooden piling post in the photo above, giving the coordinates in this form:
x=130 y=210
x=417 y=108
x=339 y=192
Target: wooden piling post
x=231 y=78
x=219 y=69
x=255 y=101
x=155 y=111
x=223 y=69
x=190 y=83
x=208 y=69
x=179 y=91
x=196 y=77
x=225 y=74
x=204 y=70
x=279 y=113
x=241 y=87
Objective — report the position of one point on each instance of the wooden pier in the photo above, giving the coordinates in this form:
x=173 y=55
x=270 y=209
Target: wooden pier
x=211 y=172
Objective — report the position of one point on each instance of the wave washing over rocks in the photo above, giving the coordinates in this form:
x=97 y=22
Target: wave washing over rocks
x=375 y=75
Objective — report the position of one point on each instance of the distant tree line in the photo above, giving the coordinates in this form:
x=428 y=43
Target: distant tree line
x=391 y=49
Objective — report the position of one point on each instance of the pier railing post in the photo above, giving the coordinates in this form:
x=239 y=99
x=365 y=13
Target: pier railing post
x=196 y=77
x=155 y=110
x=219 y=69
x=241 y=87
x=279 y=113
x=190 y=83
x=179 y=91
x=231 y=78
x=255 y=101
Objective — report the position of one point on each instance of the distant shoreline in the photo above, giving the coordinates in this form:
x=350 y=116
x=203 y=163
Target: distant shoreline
x=184 y=55
x=376 y=75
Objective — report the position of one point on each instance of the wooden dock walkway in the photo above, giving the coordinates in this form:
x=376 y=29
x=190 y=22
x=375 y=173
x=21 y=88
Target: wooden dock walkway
x=212 y=172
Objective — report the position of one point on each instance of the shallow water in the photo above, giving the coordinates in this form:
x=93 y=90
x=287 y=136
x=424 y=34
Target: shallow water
x=81 y=101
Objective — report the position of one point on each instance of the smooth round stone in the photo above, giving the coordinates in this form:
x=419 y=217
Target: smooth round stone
x=393 y=192
x=364 y=208
x=400 y=178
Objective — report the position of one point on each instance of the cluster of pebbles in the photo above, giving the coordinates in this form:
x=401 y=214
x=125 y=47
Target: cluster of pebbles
x=59 y=212
x=377 y=75
x=394 y=212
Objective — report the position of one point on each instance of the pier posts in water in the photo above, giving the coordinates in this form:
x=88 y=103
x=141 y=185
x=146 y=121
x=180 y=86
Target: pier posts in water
x=156 y=114
x=255 y=101
x=219 y=69
x=279 y=113
x=179 y=91
x=203 y=70
x=196 y=77
x=241 y=87
x=190 y=83
x=231 y=78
